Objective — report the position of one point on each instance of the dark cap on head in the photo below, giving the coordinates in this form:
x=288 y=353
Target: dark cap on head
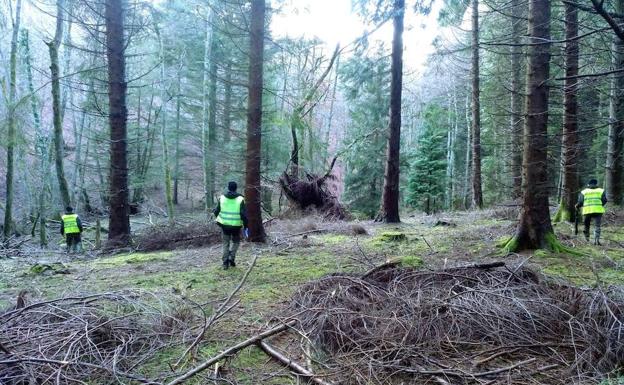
x=232 y=186
x=592 y=182
x=69 y=209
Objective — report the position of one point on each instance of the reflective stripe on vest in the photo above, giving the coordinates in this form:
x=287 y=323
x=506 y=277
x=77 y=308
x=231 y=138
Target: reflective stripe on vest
x=592 y=201
x=70 y=224
x=229 y=213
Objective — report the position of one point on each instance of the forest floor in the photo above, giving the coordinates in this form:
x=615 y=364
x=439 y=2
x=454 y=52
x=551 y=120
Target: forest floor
x=299 y=251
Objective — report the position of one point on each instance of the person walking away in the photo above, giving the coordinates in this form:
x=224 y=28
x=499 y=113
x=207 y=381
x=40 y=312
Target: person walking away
x=71 y=228
x=231 y=217
x=592 y=200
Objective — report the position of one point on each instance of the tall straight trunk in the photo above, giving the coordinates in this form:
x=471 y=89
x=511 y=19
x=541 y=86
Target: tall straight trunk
x=535 y=229
x=12 y=130
x=389 y=211
x=59 y=153
x=615 y=172
x=208 y=199
x=119 y=218
x=163 y=132
x=468 y=160
x=477 y=194
x=176 y=167
x=450 y=142
x=254 y=122
x=570 y=148
x=227 y=103
x=516 y=99
x=212 y=120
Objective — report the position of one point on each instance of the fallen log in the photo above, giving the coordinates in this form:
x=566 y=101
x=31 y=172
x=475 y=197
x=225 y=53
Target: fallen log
x=230 y=351
x=298 y=369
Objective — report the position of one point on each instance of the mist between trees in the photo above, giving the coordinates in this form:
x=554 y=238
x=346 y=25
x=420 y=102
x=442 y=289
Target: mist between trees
x=151 y=107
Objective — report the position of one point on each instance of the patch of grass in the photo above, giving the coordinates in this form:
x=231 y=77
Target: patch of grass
x=133 y=258
x=411 y=261
x=334 y=239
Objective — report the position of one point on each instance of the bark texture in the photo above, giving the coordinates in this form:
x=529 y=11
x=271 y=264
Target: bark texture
x=119 y=218
x=389 y=211
x=516 y=99
x=477 y=193
x=12 y=131
x=614 y=166
x=59 y=142
x=535 y=229
x=254 y=122
x=570 y=148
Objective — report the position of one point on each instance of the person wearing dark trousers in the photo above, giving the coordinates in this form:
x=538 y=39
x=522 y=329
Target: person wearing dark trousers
x=592 y=199
x=231 y=217
x=71 y=228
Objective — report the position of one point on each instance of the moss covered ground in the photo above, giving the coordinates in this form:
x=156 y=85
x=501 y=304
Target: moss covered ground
x=287 y=262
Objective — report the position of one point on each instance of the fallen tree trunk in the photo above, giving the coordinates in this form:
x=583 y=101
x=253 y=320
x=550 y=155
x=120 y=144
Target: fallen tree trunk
x=230 y=351
x=298 y=369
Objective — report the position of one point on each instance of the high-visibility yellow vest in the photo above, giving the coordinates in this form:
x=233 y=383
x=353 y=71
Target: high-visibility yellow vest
x=70 y=223
x=229 y=213
x=592 y=201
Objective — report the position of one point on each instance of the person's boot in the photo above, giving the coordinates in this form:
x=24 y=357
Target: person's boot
x=586 y=236
x=597 y=239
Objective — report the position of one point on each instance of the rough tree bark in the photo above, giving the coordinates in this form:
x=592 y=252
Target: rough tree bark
x=164 y=98
x=59 y=143
x=570 y=148
x=206 y=156
x=12 y=131
x=516 y=99
x=389 y=210
x=535 y=229
x=119 y=218
x=477 y=194
x=615 y=165
x=176 y=166
x=212 y=119
x=227 y=103
x=254 y=122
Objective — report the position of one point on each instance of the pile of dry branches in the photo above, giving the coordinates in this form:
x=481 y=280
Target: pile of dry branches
x=164 y=237
x=473 y=325
x=102 y=338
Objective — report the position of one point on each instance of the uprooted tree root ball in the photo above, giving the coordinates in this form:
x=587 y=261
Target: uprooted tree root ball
x=313 y=191
x=471 y=325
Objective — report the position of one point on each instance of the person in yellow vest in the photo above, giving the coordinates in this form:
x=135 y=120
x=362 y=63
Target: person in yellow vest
x=592 y=199
x=71 y=228
x=231 y=217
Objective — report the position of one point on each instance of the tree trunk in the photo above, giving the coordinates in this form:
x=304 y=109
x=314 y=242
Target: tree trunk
x=212 y=121
x=570 y=149
x=516 y=99
x=42 y=145
x=254 y=122
x=163 y=132
x=468 y=160
x=389 y=211
x=477 y=195
x=176 y=167
x=535 y=229
x=227 y=103
x=59 y=143
x=614 y=166
x=208 y=199
x=119 y=219
x=450 y=143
